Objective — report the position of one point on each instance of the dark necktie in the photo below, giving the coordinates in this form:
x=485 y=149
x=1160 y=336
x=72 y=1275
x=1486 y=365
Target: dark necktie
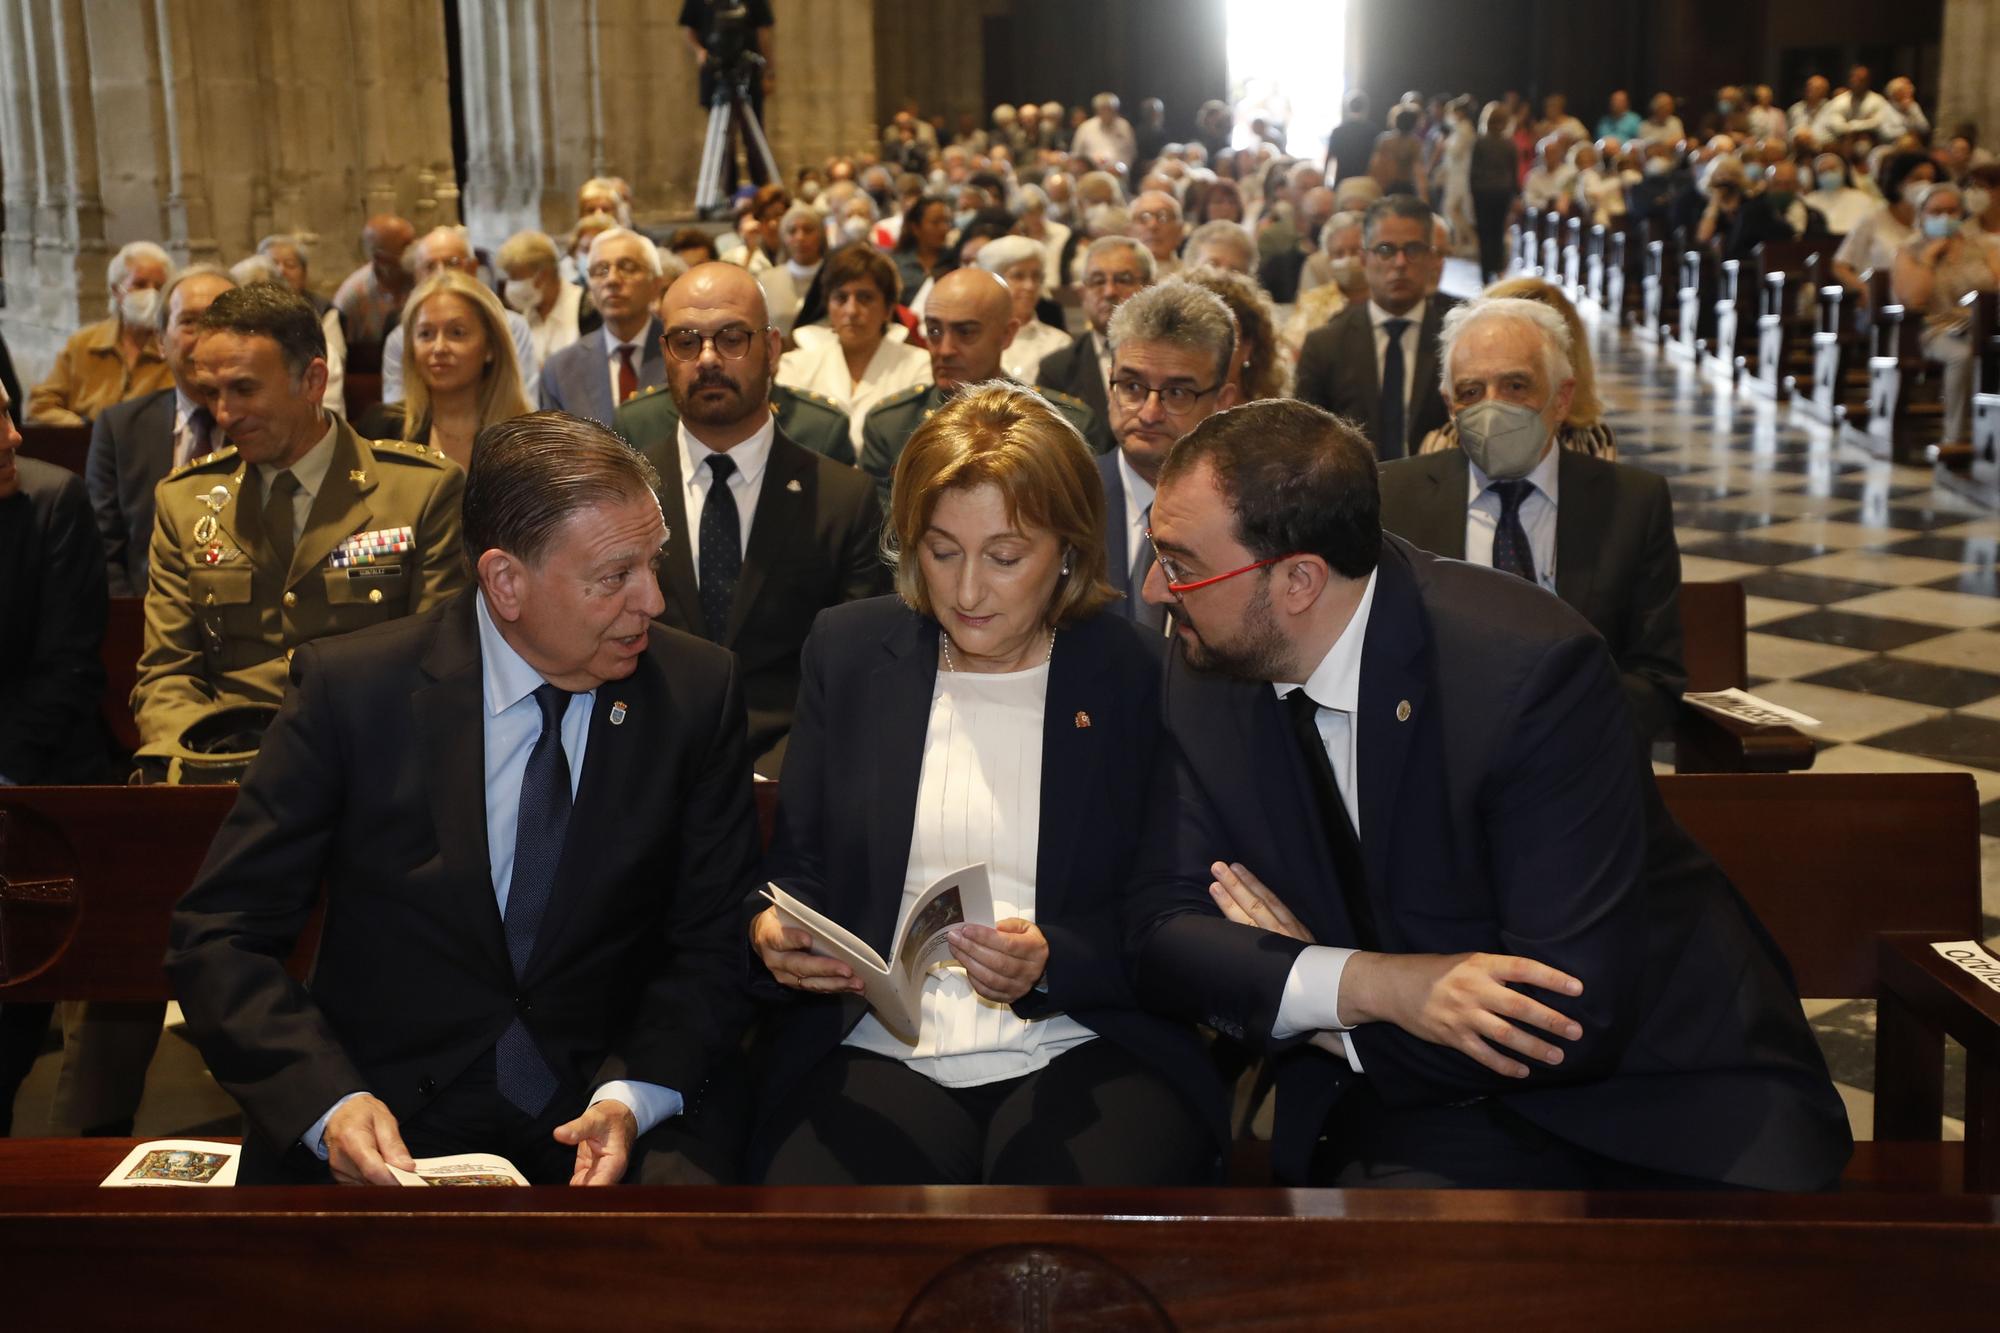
x=1348 y=866
x=1390 y=442
x=628 y=378
x=1145 y=613
x=200 y=429
x=1511 y=551
x=278 y=521
x=721 y=547
x=524 y=1077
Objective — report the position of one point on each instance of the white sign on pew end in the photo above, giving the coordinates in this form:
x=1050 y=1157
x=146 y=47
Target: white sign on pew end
x=1970 y=957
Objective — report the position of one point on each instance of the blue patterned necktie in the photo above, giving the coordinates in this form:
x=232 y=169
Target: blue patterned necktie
x=1145 y=613
x=721 y=548
x=1511 y=551
x=1391 y=443
x=524 y=1077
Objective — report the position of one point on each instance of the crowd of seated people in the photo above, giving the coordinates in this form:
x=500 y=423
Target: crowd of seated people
x=1082 y=387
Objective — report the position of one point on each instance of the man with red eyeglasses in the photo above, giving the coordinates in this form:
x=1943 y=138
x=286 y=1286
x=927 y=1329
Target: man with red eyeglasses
x=1472 y=943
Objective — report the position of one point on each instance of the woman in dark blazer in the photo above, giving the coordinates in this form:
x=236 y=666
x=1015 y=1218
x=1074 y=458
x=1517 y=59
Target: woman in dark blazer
x=990 y=711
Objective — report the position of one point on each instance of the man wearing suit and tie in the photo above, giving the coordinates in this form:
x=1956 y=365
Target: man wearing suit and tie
x=531 y=811
x=1486 y=955
x=765 y=533
x=1114 y=269
x=1375 y=362
x=134 y=445
x=1599 y=535
x=1170 y=352
x=597 y=373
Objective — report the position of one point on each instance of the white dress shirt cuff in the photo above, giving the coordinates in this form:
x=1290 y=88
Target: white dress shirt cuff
x=1311 y=1002
x=315 y=1138
x=649 y=1102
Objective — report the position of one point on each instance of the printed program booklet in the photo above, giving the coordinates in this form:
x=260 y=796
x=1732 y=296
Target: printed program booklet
x=896 y=991
x=184 y=1162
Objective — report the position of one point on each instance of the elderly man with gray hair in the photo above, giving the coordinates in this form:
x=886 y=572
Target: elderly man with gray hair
x=451 y=247
x=1171 y=346
x=1598 y=534
x=1019 y=262
x=1223 y=244
x=1115 y=268
x=1107 y=140
x=116 y=358
x=535 y=291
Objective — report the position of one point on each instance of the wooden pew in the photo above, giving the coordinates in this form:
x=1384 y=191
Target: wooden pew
x=65 y=446
x=1623 y=260
x=1715 y=650
x=124 y=640
x=994 y=1259
x=1550 y=253
x=1694 y=322
x=1981 y=461
x=1527 y=233
x=1596 y=247
x=1781 y=333
x=1854 y=875
x=1905 y=407
x=1572 y=258
x=1840 y=373
x=1655 y=315
x=1725 y=317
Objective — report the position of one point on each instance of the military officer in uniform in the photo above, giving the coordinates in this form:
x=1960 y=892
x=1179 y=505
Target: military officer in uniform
x=968 y=322
x=813 y=420
x=298 y=531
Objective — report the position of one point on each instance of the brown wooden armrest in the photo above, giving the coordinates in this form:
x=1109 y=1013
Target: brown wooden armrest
x=1705 y=742
x=1921 y=989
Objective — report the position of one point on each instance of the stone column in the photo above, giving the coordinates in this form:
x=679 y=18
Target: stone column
x=1969 y=55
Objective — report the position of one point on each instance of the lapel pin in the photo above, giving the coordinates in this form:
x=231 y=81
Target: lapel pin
x=204 y=529
x=1403 y=711
x=217 y=497
x=1082 y=720
x=359 y=476
x=793 y=486
x=618 y=713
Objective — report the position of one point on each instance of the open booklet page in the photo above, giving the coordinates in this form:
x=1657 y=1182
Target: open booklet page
x=178 y=1162
x=921 y=941
x=475 y=1168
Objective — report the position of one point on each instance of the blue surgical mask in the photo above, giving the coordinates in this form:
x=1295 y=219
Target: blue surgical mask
x=1831 y=180
x=1939 y=226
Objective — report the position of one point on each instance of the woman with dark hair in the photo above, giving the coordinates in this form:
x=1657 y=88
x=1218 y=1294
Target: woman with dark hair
x=993 y=711
x=858 y=357
x=923 y=247
x=1221 y=200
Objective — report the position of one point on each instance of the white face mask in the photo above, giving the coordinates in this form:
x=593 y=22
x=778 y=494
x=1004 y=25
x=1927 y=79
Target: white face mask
x=854 y=228
x=1504 y=439
x=139 y=309
x=1346 y=271
x=1977 y=202
x=521 y=295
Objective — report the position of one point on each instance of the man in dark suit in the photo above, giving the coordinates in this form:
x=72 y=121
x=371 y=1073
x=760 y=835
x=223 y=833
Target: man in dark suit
x=1170 y=351
x=600 y=371
x=1597 y=534
x=1487 y=956
x=1114 y=269
x=1375 y=361
x=765 y=534
x=531 y=811
x=134 y=445
x=1279 y=275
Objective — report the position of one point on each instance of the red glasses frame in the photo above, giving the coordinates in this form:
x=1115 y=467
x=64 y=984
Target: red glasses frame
x=1178 y=588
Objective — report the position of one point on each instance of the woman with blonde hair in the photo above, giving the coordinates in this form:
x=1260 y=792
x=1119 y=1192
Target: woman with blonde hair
x=994 y=710
x=1584 y=430
x=459 y=374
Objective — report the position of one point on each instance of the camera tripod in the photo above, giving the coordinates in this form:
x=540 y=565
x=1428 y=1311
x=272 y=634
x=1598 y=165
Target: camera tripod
x=730 y=106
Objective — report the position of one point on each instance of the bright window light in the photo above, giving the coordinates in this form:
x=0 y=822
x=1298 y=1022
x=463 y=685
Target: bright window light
x=1287 y=64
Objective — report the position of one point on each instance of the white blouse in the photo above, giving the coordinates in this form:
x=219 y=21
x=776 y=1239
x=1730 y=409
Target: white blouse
x=978 y=799
x=817 y=365
x=1023 y=358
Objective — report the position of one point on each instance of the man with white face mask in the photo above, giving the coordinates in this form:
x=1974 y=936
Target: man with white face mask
x=537 y=293
x=1599 y=535
x=116 y=358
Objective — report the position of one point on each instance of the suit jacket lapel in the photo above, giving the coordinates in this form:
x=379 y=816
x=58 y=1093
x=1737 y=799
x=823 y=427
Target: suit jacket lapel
x=1072 y=757
x=653 y=365
x=677 y=572
x=1392 y=674
x=1583 y=498
x=451 y=739
x=899 y=703
x=1290 y=816
x=614 y=761
x=1359 y=358
x=1443 y=512
x=236 y=520
x=1117 y=570
x=1426 y=371
x=341 y=507
x=593 y=372
x=783 y=514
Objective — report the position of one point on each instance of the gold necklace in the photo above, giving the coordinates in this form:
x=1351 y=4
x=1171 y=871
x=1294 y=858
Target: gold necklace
x=944 y=642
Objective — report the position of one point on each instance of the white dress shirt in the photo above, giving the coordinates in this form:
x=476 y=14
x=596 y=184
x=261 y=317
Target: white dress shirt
x=750 y=457
x=818 y=365
x=1138 y=499
x=310 y=472
x=1412 y=340
x=558 y=329
x=1034 y=340
x=1538 y=516
x=1311 y=1001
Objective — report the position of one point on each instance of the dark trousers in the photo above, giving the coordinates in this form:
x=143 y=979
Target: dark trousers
x=1093 y=1115
x=22 y=1030
x=1477 y=1145
x=1489 y=219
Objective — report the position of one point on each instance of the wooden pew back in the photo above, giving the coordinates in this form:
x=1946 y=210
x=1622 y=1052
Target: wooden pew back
x=65 y=446
x=124 y=639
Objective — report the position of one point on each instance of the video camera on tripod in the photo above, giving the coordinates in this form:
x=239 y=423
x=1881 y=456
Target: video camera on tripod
x=733 y=64
x=732 y=54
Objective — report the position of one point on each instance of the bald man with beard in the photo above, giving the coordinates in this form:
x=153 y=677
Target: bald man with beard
x=763 y=533
x=968 y=323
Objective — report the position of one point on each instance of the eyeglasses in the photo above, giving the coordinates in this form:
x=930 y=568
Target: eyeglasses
x=1124 y=282
x=1177 y=399
x=1153 y=215
x=624 y=268
x=1178 y=582
x=1409 y=250
x=732 y=343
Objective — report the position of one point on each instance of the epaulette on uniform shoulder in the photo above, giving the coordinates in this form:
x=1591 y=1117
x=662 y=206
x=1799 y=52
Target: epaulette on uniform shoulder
x=407 y=451
x=1061 y=399
x=226 y=454
x=899 y=399
x=816 y=399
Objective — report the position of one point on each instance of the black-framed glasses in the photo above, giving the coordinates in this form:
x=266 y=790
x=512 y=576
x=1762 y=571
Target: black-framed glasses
x=732 y=343
x=1412 y=251
x=1129 y=282
x=624 y=268
x=1177 y=399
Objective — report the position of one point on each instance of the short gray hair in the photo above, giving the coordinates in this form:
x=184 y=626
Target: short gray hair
x=530 y=473
x=136 y=252
x=1339 y=223
x=290 y=239
x=1104 y=245
x=1223 y=232
x=527 y=248
x=796 y=212
x=1555 y=350
x=1003 y=252
x=191 y=271
x=1180 y=314
x=255 y=268
x=647 y=250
